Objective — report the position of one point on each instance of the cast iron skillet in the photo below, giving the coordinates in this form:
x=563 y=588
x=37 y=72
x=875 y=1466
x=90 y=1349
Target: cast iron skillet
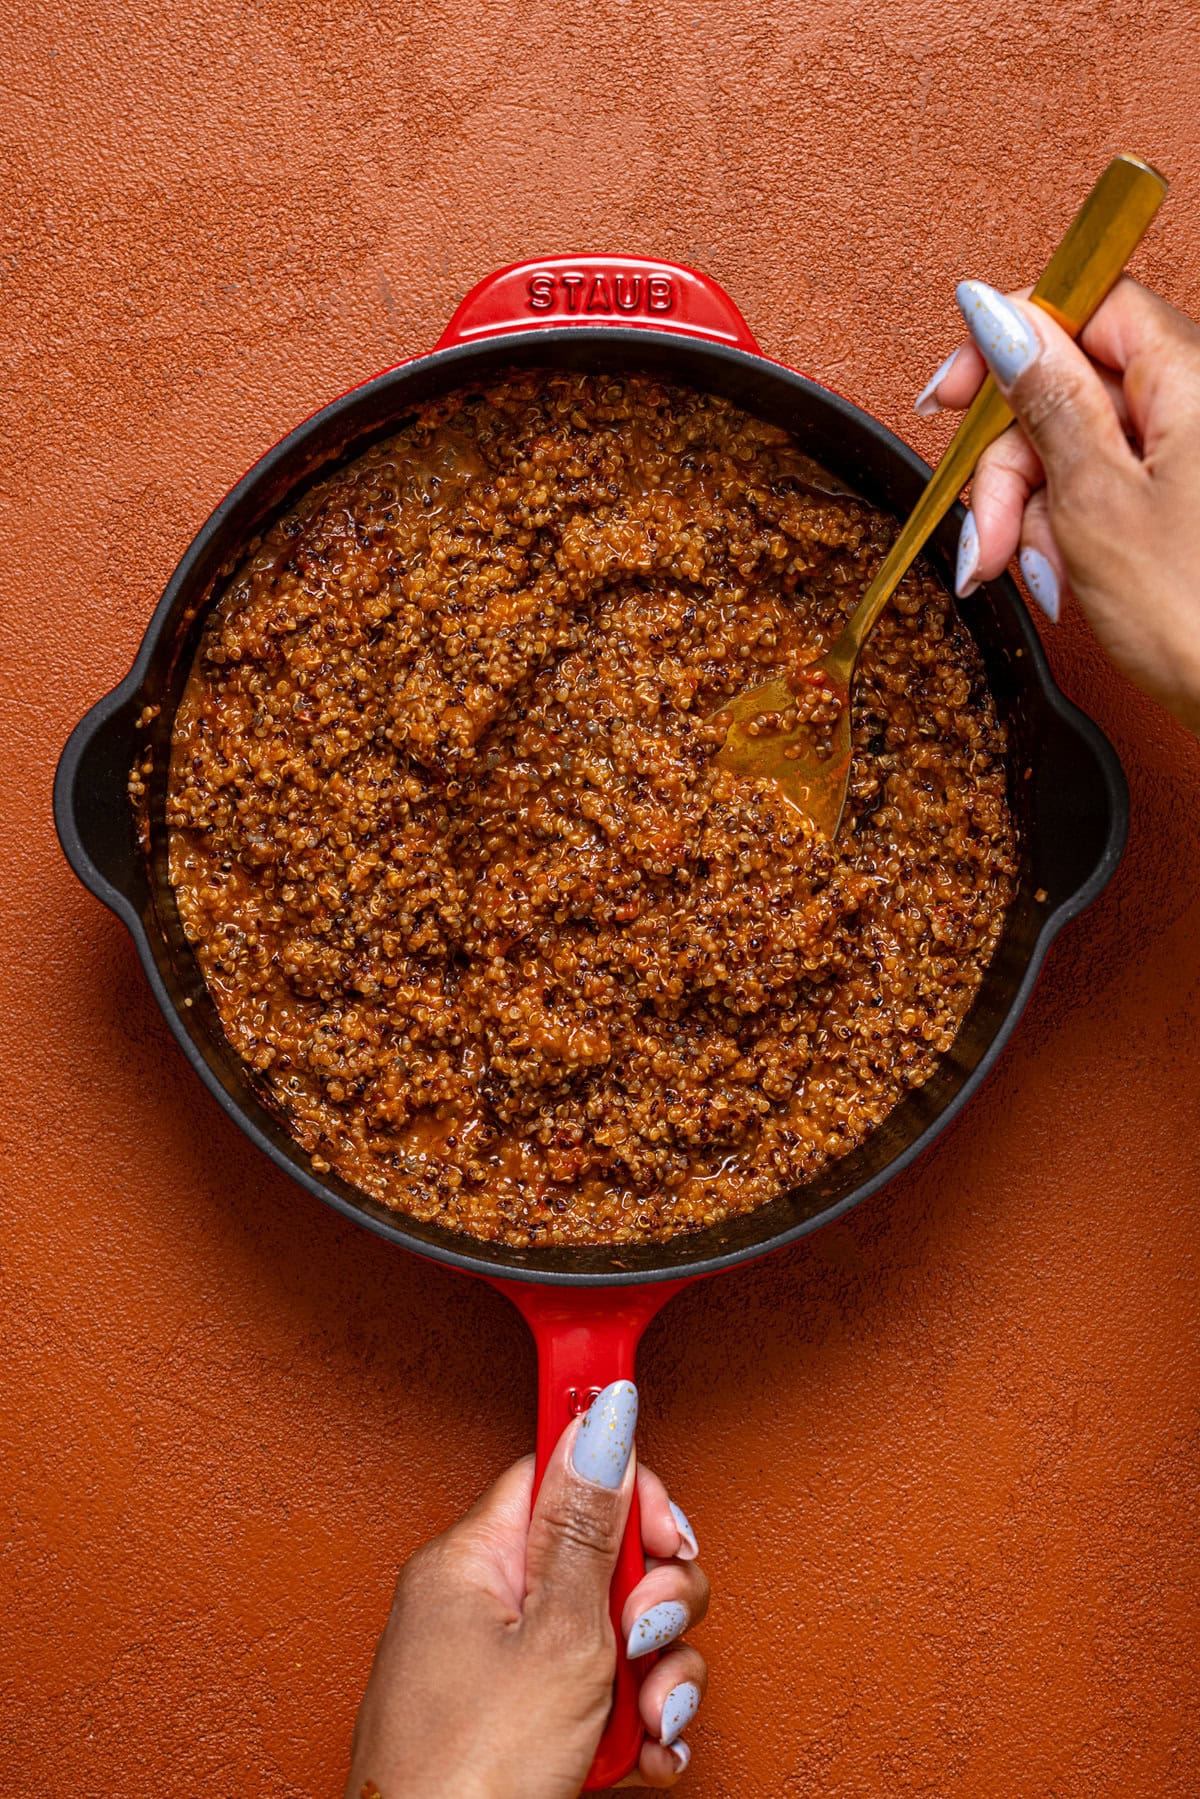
x=588 y=1306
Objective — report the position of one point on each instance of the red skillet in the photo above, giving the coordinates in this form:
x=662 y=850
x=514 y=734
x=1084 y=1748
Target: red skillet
x=587 y=1308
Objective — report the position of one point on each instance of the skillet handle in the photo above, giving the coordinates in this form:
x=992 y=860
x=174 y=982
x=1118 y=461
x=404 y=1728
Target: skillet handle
x=587 y=1337
x=599 y=290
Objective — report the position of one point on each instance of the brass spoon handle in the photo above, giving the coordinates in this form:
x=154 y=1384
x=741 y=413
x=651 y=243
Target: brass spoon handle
x=1099 y=242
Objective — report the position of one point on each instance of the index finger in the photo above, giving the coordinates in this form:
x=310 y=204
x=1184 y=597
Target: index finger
x=1116 y=330
x=666 y=1532
x=1123 y=335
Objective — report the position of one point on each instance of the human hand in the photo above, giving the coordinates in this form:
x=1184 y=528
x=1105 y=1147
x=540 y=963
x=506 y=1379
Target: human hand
x=493 y=1676
x=1098 y=481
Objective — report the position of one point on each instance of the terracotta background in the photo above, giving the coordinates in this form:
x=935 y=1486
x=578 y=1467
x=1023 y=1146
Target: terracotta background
x=942 y=1458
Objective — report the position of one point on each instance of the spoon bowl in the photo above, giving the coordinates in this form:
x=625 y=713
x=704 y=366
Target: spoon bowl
x=808 y=757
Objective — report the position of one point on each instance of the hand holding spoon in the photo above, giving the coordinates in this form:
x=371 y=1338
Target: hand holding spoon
x=813 y=771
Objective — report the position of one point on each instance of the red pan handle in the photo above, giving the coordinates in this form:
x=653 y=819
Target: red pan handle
x=587 y=1337
x=599 y=290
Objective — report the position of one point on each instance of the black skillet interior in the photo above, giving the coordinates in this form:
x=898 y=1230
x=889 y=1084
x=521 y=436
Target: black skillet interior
x=1067 y=788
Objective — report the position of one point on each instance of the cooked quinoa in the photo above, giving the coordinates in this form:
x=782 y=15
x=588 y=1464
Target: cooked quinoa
x=505 y=945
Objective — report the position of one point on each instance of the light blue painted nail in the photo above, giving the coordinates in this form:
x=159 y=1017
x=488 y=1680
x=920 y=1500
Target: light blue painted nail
x=688 y=1549
x=968 y=558
x=925 y=406
x=1041 y=581
x=605 y=1441
x=679 y=1708
x=656 y=1628
x=1008 y=341
x=682 y=1755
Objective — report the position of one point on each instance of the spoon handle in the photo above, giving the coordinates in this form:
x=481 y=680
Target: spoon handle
x=1099 y=242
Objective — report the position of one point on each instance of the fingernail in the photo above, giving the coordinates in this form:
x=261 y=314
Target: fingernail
x=679 y=1709
x=1041 y=581
x=681 y=1755
x=688 y=1549
x=925 y=406
x=656 y=1628
x=605 y=1440
x=968 y=558
x=1006 y=338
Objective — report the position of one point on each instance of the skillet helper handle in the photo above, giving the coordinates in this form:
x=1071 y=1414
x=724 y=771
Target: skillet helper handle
x=628 y=291
x=585 y=1339
x=1099 y=242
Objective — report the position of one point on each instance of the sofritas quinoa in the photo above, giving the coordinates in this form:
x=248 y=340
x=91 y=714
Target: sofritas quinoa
x=504 y=944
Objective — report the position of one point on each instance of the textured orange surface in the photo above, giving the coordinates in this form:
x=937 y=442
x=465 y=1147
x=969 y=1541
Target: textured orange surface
x=942 y=1458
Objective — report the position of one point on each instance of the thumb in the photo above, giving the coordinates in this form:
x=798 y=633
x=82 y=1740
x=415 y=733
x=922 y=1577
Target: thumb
x=1055 y=392
x=580 y=1513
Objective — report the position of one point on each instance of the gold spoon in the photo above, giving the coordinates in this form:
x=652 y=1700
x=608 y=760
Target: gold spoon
x=814 y=771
